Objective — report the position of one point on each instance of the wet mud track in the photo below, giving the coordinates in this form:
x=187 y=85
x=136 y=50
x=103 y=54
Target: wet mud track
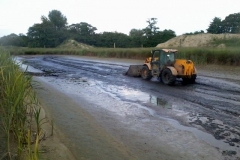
x=212 y=105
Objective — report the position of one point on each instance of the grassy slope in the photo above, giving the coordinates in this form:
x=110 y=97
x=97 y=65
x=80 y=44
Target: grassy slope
x=72 y=44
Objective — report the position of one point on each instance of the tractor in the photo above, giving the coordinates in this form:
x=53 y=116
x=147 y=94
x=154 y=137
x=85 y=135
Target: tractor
x=163 y=65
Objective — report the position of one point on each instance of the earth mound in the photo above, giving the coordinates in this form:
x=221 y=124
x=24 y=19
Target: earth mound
x=198 y=40
x=72 y=44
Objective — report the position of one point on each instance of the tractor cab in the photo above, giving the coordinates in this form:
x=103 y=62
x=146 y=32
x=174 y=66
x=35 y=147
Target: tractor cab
x=160 y=59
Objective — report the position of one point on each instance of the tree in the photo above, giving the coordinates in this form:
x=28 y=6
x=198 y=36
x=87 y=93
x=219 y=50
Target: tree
x=151 y=32
x=137 y=37
x=50 y=33
x=57 y=18
x=231 y=24
x=14 y=40
x=22 y=40
x=193 y=33
x=108 y=39
x=153 y=36
x=215 y=26
x=151 y=29
x=82 y=32
x=8 y=40
x=165 y=35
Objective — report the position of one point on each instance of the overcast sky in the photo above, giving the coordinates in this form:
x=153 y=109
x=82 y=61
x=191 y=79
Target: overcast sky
x=181 y=16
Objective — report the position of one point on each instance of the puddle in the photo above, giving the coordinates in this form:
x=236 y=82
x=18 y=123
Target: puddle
x=134 y=95
x=25 y=67
x=219 y=130
x=203 y=136
x=160 y=102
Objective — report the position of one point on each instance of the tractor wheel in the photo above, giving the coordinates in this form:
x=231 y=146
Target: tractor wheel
x=193 y=78
x=146 y=73
x=189 y=80
x=185 y=80
x=167 y=77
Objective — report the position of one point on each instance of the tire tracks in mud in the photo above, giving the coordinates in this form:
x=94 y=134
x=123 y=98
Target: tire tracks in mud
x=93 y=67
x=214 y=104
x=226 y=97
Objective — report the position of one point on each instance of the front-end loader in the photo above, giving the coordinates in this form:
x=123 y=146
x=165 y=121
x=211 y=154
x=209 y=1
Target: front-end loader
x=162 y=64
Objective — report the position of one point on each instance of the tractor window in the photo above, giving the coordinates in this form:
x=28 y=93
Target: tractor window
x=170 y=57
x=163 y=57
x=156 y=57
x=167 y=58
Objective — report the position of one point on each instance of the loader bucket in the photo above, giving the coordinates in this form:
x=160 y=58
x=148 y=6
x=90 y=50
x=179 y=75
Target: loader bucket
x=134 y=70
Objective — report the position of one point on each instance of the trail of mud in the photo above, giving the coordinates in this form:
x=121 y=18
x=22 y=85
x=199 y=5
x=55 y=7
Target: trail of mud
x=211 y=105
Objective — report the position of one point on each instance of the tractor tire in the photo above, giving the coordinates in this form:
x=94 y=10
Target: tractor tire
x=189 y=80
x=167 y=77
x=146 y=73
x=193 y=78
x=185 y=80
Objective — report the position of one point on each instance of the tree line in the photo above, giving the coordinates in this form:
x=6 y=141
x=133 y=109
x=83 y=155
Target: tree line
x=54 y=30
x=231 y=24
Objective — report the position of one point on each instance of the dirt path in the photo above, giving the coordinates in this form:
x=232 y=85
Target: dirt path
x=102 y=113
x=93 y=140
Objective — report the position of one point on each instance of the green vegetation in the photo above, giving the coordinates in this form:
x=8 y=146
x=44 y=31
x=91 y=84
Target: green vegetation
x=232 y=42
x=18 y=107
x=221 y=56
x=54 y=30
x=131 y=53
x=231 y=24
x=194 y=33
x=225 y=56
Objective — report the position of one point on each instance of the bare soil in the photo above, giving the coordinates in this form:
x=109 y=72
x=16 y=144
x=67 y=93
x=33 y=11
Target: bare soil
x=199 y=40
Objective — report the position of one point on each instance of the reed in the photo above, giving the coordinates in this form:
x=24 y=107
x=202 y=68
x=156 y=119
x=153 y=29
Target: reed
x=16 y=106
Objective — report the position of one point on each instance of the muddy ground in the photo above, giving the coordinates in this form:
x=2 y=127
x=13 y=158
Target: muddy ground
x=100 y=113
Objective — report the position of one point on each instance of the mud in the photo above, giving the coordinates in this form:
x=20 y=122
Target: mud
x=149 y=119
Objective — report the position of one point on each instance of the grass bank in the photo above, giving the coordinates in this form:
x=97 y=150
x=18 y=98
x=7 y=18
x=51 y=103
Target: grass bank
x=221 y=56
x=19 y=111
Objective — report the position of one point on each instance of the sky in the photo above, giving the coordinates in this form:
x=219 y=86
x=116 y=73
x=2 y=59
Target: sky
x=181 y=16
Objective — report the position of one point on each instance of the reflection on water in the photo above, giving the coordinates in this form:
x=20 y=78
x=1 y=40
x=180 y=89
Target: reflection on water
x=136 y=95
x=159 y=102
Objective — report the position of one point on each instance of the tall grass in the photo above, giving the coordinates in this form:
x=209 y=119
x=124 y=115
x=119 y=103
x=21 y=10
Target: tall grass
x=228 y=42
x=132 y=53
x=221 y=56
x=225 y=56
x=16 y=107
